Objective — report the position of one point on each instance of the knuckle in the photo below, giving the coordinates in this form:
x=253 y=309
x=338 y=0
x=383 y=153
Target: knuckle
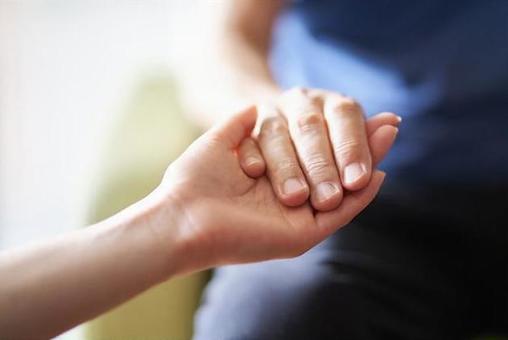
x=317 y=165
x=285 y=167
x=309 y=121
x=273 y=126
x=347 y=106
x=350 y=105
x=347 y=149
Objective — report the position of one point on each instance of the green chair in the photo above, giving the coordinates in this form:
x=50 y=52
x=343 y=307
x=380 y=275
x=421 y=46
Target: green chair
x=148 y=136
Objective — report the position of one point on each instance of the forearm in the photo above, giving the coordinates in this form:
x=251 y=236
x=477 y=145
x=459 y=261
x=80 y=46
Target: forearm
x=56 y=285
x=234 y=75
x=234 y=72
x=245 y=64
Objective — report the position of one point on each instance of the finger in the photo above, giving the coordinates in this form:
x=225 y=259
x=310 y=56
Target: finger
x=346 y=125
x=351 y=206
x=383 y=118
x=233 y=130
x=374 y=122
x=282 y=164
x=381 y=142
x=250 y=157
x=310 y=137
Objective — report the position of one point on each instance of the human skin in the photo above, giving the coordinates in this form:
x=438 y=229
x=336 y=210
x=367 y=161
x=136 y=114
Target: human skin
x=314 y=141
x=206 y=212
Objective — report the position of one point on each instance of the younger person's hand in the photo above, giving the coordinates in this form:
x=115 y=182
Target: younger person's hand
x=224 y=216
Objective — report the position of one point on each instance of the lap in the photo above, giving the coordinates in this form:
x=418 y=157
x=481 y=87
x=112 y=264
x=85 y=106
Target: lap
x=386 y=275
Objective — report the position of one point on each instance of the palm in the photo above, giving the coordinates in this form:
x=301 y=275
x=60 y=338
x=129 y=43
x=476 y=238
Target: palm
x=241 y=216
x=240 y=219
x=260 y=201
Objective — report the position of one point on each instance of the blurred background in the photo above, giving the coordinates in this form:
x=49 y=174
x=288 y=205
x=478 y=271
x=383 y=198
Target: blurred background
x=67 y=70
x=90 y=116
x=89 y=119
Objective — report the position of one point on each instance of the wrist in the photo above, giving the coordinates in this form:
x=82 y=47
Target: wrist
x=167 y=219
x=151 y=227
x=259 y=90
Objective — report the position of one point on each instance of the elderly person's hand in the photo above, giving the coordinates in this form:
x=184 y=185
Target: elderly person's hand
x=314 y=142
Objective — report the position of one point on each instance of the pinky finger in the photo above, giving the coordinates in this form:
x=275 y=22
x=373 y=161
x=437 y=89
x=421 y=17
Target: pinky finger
x=250 y=157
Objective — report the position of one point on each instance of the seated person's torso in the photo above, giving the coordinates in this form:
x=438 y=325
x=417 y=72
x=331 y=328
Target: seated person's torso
x=442 y=65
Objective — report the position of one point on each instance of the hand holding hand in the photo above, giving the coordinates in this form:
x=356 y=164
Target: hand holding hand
x=314 y=142
x=225 y=216
x=205 y=213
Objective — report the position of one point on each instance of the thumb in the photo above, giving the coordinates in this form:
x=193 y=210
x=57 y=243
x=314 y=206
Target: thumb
x=232 y=131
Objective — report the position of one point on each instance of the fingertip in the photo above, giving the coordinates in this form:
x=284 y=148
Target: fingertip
x=254 y=167
x=234 y=129
x=295 y=200
x=379 y=177
x=389 y=117
x=382 y=119
x=327 y=196
x=293 y=192
x=352 y=204
x=356 y=176
x=251 y=160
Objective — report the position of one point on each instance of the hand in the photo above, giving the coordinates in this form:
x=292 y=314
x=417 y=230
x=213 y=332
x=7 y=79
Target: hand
x=206 y=212
x=225 y=216
x=314 y=142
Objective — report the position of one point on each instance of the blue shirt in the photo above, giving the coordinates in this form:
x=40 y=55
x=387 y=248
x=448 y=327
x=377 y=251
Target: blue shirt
x=442 y=65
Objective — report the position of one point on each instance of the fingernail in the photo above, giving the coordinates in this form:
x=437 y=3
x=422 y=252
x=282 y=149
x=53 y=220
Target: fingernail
x=399 y=118
x=326 y=190
x=353 y=172
x=292 y=186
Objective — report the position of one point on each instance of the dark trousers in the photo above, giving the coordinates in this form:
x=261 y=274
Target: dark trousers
x=417 y=264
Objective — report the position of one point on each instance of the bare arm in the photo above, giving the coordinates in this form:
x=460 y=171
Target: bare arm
x=229 y=68
x=55 y=285
x=190 y=222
